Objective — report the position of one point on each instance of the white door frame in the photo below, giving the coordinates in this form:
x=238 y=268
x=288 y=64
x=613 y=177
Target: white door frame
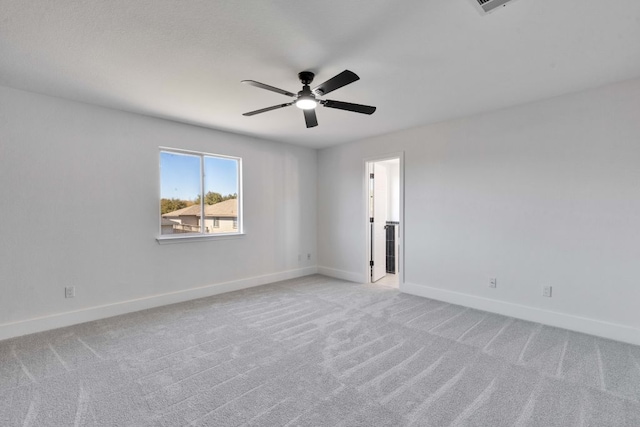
x=365 y=218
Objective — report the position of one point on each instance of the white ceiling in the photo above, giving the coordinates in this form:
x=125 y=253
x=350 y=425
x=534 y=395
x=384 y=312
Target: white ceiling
x=420 y=61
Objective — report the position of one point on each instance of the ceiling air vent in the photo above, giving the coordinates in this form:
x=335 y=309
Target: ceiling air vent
x=487 y=6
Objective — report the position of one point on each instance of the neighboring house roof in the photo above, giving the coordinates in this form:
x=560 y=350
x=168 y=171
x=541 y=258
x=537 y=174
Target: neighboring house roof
x=165 y=221
x=226 y=209
x=188 y=211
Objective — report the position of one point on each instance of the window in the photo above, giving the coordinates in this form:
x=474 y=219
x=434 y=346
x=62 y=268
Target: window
x=200 y=194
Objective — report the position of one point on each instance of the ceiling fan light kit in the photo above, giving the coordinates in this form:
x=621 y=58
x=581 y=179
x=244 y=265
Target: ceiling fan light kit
x=307 y=99
x=306 y=103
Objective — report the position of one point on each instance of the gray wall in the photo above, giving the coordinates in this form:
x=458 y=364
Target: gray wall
x=541 y=194
x=79 y=187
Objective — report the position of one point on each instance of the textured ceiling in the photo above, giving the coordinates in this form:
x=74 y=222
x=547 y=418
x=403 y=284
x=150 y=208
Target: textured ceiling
x=420 y=61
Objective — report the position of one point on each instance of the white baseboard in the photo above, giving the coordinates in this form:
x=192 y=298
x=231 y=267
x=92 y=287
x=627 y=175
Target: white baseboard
x=342 y=274
x=59 y=320
x=552 y=318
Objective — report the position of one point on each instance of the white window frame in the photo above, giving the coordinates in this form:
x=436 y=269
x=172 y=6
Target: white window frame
x=172 y=238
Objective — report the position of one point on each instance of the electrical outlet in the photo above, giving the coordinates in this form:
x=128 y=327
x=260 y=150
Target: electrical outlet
x=493 y=282
x=70 y=292
x=546 y=291
x=308 y=257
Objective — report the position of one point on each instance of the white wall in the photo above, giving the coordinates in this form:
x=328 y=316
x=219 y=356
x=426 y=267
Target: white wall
x=393 y=188
x=544 y=193
x=79 y=187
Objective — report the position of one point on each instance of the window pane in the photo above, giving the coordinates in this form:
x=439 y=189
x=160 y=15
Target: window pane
x=180 y=189
x=220 y=194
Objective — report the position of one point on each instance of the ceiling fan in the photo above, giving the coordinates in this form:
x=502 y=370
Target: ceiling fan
x=307 y=99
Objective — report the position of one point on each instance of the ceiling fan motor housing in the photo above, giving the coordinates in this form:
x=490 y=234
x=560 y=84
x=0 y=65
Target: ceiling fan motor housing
x=306 y=92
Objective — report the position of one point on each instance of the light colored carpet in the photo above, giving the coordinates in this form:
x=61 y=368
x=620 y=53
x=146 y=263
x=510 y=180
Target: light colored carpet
x=317 y=351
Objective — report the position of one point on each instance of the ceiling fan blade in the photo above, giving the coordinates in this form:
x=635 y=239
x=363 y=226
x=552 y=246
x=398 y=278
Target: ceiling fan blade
x=310 y=118
x=356 y=108
x=264 y=110
x=267 y=87
x=336 y=82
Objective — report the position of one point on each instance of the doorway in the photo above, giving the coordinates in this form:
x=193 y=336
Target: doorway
x=384 y=225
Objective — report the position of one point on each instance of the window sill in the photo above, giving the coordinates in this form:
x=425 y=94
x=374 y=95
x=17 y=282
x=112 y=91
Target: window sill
x=163 y=240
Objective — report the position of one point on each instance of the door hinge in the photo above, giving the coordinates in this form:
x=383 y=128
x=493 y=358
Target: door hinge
x=370 y=263
x=371 y=175
x=371 y=219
